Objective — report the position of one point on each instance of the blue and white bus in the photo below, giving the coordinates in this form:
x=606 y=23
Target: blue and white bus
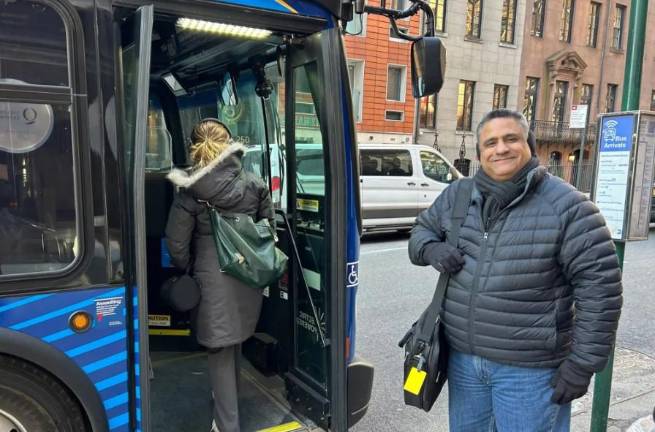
x=97 y=101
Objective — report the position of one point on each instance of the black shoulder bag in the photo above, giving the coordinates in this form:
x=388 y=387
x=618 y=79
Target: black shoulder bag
x=426 y=349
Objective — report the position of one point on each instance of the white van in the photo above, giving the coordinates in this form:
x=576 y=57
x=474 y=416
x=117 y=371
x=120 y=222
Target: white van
x=398 y=181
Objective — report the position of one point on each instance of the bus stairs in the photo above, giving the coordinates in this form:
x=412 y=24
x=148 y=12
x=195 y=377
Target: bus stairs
x=181 y=397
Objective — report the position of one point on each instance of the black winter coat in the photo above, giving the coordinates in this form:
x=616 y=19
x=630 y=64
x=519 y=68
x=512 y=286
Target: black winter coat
x=542 y=284
x=229 y=309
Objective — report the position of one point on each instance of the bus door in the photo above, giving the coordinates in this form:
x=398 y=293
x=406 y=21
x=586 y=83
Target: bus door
x=271 y=96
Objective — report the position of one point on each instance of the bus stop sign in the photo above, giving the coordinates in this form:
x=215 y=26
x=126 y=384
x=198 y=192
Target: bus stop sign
x=624 y=173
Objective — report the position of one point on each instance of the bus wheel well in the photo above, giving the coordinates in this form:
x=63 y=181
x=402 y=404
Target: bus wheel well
x=34 y=399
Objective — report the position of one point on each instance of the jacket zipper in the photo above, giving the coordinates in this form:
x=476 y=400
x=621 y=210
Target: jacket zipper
x=476 y=285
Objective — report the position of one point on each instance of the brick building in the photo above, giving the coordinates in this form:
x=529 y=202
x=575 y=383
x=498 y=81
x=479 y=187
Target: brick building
x=574 y=53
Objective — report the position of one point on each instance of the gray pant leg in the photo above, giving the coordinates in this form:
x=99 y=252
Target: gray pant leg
x=223 y=373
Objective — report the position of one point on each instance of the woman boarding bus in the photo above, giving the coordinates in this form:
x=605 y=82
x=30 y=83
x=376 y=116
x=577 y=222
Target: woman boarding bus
x=97 y=101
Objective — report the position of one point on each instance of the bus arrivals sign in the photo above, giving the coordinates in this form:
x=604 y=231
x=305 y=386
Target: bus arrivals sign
x=624 y=173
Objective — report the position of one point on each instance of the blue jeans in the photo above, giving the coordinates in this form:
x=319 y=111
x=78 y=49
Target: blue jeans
x=485 y=396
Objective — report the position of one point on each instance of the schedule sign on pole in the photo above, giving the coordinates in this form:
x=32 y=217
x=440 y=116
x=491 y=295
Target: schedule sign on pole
x=612 y=179
x=624 y=173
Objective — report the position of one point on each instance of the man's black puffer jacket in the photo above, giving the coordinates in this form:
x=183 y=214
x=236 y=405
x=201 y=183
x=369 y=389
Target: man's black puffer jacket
x=513 y=301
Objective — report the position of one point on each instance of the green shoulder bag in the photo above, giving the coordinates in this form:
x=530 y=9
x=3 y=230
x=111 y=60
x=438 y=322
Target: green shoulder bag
x=246 y=249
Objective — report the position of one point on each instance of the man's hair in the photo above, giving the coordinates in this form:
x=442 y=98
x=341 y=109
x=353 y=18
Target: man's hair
x=504 y=113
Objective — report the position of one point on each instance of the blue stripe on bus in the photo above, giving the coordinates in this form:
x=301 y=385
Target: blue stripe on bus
x=19 y=303
x=110 y=382
x=96 y=344
x=63 y=311
x=59 y=335
x=118 y=421
x=116 y=401
x=108 y=361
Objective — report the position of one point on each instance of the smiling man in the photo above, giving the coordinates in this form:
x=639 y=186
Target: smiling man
x=534 y=296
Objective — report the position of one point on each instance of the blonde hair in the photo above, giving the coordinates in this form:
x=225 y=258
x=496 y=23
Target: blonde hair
x=209 y=139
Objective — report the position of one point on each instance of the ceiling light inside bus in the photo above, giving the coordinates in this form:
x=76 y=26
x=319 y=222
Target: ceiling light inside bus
x=222 y=29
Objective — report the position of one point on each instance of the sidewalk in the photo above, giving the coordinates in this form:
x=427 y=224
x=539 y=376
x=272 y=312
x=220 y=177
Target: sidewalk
x=633 y=396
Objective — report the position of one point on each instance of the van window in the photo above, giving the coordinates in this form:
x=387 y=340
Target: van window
x=386 y=163
x=436 y=168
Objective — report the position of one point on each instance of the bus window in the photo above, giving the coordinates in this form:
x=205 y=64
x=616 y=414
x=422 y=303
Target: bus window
x=159 y=153
x=38 y=211
x=33 y=44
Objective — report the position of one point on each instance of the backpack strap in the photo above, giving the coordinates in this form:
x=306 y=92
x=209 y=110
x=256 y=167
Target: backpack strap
x=460 y=209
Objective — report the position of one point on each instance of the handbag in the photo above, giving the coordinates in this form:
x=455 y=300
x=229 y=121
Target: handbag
x=426 y=350
x=181 y=293
x=246 y=249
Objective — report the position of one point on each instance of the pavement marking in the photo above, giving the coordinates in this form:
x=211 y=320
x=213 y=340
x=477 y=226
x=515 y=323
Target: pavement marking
x=370 y=252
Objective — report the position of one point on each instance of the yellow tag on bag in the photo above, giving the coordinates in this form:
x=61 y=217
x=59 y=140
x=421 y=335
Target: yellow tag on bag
x=415 y=381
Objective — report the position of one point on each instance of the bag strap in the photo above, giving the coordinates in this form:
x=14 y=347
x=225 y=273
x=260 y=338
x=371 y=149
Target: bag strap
x=460 y=209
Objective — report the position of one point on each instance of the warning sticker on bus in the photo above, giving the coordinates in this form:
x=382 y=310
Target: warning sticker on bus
x=159 y=320
x=307 y=205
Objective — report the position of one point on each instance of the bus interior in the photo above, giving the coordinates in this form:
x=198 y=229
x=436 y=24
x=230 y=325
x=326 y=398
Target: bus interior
x=248 y=79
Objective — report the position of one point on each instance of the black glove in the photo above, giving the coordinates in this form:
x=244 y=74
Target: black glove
x=443 y=257
x=570 y=382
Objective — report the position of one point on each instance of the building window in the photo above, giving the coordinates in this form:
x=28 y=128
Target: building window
x=566 y=22
x=396 y=83
x=356 y=78
x=394 y=115
x=399 y=4
x=587 y=94
x=357 y=25
x=592 y=24
x=559 y=101
x=428 y=113
x=617 y=29
x=530 y=99
x=439 y=8
x=465 y=105
x=500 y=96
x=538 y=12
x=473 y=18
x=610 y=101
x=652 y=100
x=507 y=21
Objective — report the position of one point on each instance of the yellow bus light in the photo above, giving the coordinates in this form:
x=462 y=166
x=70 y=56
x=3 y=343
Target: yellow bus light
x=222 y=29
x=80 y=321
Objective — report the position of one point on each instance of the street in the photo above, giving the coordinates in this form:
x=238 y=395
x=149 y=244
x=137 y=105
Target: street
x=393 y=292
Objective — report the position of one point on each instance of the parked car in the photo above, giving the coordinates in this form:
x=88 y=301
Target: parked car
x=398 y=181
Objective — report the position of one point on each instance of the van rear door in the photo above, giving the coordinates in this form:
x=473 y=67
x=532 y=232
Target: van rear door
x=389 y=187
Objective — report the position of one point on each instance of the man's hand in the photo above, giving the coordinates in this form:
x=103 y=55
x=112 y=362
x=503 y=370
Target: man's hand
x=570 y=382
x=443 y=257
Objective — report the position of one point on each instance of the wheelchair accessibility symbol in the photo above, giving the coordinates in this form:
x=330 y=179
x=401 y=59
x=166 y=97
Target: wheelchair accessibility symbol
x=352 y=274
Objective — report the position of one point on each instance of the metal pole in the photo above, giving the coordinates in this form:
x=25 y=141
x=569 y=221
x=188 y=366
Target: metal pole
x=578 y=176
x=631 y=93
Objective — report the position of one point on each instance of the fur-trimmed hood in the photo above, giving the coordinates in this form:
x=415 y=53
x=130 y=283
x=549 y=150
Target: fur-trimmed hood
x=219 y=182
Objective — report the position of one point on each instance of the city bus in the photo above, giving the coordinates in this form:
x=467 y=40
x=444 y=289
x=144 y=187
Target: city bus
x=97 y=101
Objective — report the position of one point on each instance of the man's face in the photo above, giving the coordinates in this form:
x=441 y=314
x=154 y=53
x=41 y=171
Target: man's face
x=503 y=148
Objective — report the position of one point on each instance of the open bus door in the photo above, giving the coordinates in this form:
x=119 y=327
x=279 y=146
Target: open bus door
x=294 y=371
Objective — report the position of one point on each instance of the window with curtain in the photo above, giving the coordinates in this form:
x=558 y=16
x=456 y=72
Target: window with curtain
x=465 y=105
x=530 y=99
x=396 y=83
x=617 y=28
x=507 y=21
x=473 y=18
x=592 y=24
x=538 y=13
x=566 y=21
x=500 y=96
